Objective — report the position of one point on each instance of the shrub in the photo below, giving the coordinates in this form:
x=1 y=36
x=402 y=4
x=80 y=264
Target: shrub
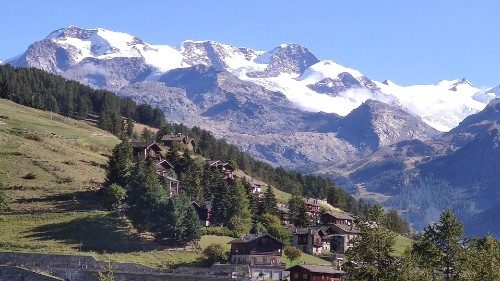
x=30 y=176
x=217 y=230
x=216 y=253
x=292 y=253
x=114 y=195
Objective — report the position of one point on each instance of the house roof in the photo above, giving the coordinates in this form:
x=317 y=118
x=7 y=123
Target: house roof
x=251 y=237
x=340 y=216
x=143 y=144
x=164 y=161
x=172 y=179
x=177 y=137
x=345 y=228
x=307 y=230
x=317 y=268
x=312 y=201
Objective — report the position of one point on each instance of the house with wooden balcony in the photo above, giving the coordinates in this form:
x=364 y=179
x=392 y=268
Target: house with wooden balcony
x=344 y=230
x=170 y=139
x=225 y=169
x=262 y=252
x=313 y=209
x=312 y=240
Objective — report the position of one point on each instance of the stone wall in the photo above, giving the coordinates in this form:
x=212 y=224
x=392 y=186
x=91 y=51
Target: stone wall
x=85 y=268
x=14 y=273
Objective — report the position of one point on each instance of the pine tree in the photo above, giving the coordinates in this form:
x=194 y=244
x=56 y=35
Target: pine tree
x=370 y=257
x=177 y=222
x=240 y=216
x=439 y=246
x=269 y=204
x=145 y=195
x=222 y=204
x=298 y=211
x=483 y=260
x=120 y=164
x=130 y=128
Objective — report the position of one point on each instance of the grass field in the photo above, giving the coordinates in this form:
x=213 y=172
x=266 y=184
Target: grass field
x=99 y=234
x=103 y=236
x=49 y=162
x=402 y=243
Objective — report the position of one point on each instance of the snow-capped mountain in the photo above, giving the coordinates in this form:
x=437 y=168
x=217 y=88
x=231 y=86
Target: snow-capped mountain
x=112 y=60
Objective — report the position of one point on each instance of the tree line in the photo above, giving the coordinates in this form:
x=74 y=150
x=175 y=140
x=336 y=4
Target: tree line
x=38 y=89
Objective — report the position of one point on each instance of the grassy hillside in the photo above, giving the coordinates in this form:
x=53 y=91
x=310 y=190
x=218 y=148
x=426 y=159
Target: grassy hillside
x=51 y=166
x=49 y=162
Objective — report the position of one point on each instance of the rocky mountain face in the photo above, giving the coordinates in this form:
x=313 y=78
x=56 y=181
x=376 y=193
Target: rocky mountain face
x=287 y=107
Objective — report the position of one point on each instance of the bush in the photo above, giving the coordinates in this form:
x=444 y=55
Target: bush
x=218 y=230
x=30 y=176
x=292 y=253
x=114 y=195
x=216 y=253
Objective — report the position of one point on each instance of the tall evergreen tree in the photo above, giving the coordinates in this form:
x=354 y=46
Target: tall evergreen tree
x=483 y=260
x=241 y=218
x=222 y=204
x=439 y=247
x=145 y=195
x=298 y=211
x=178 y=222
x=370 y=257
x=269 y=204
x=120 y=164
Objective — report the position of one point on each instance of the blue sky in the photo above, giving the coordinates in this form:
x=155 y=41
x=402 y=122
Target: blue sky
x=405 y=41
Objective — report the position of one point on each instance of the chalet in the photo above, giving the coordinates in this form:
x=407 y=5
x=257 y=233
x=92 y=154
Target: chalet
x=204 y=210
x=336 y=218
x=312 y=240
x=307 y=272
x=343 y=237
x=255 y=189
x=225 y=169
x=145 y=150
x=169 y=140
x=164 y=169
x=262 y=252
x=313 y=209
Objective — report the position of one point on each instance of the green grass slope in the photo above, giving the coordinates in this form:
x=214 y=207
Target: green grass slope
x=49 y=162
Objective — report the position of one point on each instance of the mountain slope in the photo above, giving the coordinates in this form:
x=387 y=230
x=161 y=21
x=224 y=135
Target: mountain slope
x=50 y=148
x=375 y=124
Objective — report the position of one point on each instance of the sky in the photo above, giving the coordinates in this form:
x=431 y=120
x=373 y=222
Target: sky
x=408 y=42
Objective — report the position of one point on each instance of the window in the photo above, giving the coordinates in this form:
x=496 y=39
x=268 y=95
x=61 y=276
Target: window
x=296 y=275
x=304 y=276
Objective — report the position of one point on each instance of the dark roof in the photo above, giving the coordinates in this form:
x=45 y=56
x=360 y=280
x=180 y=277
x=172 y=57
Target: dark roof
x=165 y=161
x=307 y=230
x=250 y=237
x=340 y=216
x=177 y=137
x=318 y=268
x=345 y=228
x=143 y=144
